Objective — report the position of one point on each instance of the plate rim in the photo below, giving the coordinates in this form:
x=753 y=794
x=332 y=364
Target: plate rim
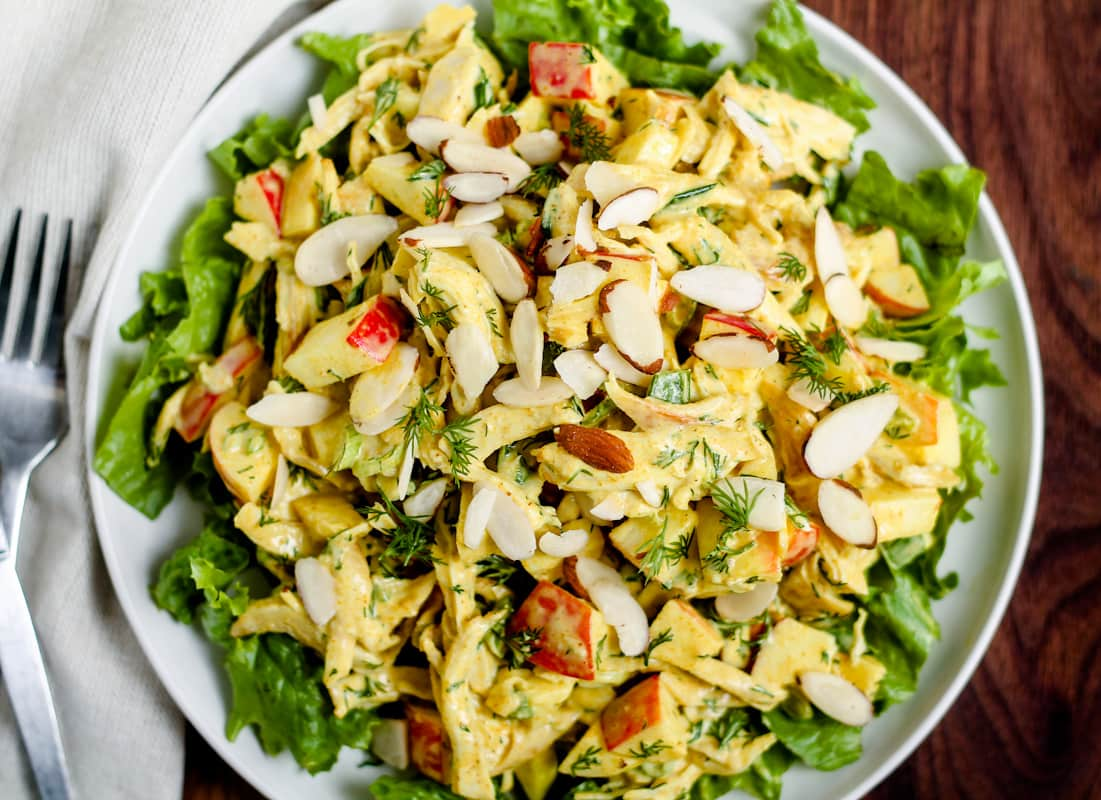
x=819 y=26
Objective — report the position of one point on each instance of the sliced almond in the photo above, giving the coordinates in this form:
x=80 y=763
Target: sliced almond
x=564 y=544
x=829 y=255
x=630 y=208
x=765 y=498
x=650 y=493
x=538 y=147
x=316 y=588
x=405 y=471
x=466 y=156
x=391 y=416
x=583 y=237
x=502 y=131
x=837 y=698
x=633 y=325
x=477 y=515
x=845 y=512
x=510 y=529
x=892 y=350
x=294 y=410
x=578 y=368
x=617 y=366
x=323 y=258
x=390 y=742
x=431 y=132
x=843 y=436
x=510 y=277
x=737 y=351
x=526 y=334
x=424 y=502
x=476 y=213
x=445 y=234
x=744 y=606
x=845 y=301
x=472 y=357
x=606 y=181
x=610 y=594
x=576 y=280
x=612 y=508
x=476 y=187
x=808 y=396
x=596 y=447
x=728 y=289
x=282 y=480
x=319 y=112
x=551 y=391
x=754 y=133
x=556 y=251
x=376 y=390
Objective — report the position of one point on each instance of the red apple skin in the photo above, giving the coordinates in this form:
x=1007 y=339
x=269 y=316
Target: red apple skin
x=558 y=70
x=271 y=184
x=801 y=542
x=379 y=329
x=428 y=748
x=717 y=323
x=200 y=403
x=565 y=644
x=633 y=712
x=923 y=406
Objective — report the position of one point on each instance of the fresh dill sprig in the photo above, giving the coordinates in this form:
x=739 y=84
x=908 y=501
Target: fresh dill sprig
x=660 y=553
x=647 y=749
x=835 y=346
x=809 y=364
x=483 y=91
x=735 y=508
x=587 y=760
x=791 y=268
x=429 y=171
x=491 y=318
x=801 y=305
x=842 y=398
x=459 y=434
x=385 y=96
x=586 y=137
x=440 y=317
x=496 y=568
x=411 y=539
x=541 y=180
x=328 y=213
x=521 y=645
x=664 y=637
x=420 y=419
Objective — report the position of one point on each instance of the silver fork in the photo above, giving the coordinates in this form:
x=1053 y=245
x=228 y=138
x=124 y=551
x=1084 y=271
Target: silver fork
x=33 y=419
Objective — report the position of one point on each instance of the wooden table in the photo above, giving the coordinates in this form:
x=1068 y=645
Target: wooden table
x=1017 y=84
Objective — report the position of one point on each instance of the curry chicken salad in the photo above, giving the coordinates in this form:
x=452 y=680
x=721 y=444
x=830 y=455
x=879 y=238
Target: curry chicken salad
x=576 y=421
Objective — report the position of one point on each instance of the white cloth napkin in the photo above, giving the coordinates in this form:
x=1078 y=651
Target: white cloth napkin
x=95 y=93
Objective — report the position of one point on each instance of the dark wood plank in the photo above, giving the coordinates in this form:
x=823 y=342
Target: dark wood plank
x=1017 y=84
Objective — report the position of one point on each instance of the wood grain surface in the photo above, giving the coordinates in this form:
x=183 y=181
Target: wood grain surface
x=1018 y=84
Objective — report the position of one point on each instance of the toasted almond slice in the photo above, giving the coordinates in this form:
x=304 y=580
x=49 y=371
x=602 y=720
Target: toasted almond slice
x=510 y=529
x=477 y=515
x=472 y=357
x=424 y=502
x=650 y=493
x=431 y=132
x=556 y=251
x=633 y=325
x=445 y=234
x=538 y=147
x=803 y=393
x=755 y=133
x=390 y=742
x=843 y=436
x=630 y=208
x=465 y=156
x=502 y=131
x=319 y=112
x=476 y=187
x=550 y=392
x=845 y=301
x=405 y=472
x=765 y=499
x=744 y=606
x=728 y=289
x=605 y=181
x=294 y=410
x=846 y=514
x=282 y=480
x=836 y=697
x=576 y=280
x=507 y=274
x=829 y=255
x=316 y=588
x=609 y=358
x=891 y=350
x=583 y=237
x=598 y=448
x=737 y=351
x=609 y=593
x=526 y=335
x=323 y=257
x=612 y=508
x=374 y=391
x=393 y=414
x=580 y=371
x=476 y=213
x=564 y=544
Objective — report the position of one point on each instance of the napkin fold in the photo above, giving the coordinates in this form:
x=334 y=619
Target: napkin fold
x=94 y=95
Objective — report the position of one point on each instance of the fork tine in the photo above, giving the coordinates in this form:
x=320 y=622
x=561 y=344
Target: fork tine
x=50 y=325
x=24 y=284
x=7 y=266
x=33 y=281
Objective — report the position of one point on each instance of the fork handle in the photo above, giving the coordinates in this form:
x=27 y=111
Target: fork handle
x=13 y=496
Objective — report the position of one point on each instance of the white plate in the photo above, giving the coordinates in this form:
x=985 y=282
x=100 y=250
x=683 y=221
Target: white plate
x=986 y=552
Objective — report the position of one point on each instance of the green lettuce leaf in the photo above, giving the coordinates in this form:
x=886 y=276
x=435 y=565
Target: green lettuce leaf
x=821 y=742
x=763 y=779
x=341 y=52
x=254 y=147
x=787 y=60
x=409 y=787
x=634 y=35
x=200 y=571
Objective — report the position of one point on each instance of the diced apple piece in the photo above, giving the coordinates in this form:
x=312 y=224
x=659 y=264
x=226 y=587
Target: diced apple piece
x=202 y=399
x=801 y=542
x=259 y=197
x=684 y=634
x=571 y=71
x=792 y=649
x=428 y=747
x=645 y=713
x=642 y=107
x=314 y=176
x=326 y=515
x=566 y=625
x=898 y=291
x=902 y=511
x=242 y=452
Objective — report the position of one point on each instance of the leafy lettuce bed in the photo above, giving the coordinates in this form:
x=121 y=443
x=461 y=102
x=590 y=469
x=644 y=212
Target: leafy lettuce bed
x=275 y=683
